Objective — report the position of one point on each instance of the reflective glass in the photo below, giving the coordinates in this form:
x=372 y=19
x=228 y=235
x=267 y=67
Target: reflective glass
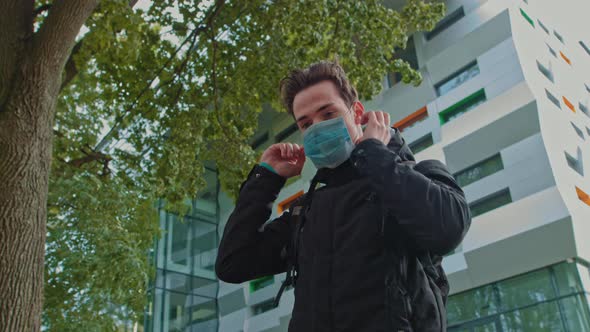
x=480 y=170
x=204 y=244
x=526 y=289
x=471 y=305
x=567 y=279
x=457 y=79
x=575 y=310
x=543 y=317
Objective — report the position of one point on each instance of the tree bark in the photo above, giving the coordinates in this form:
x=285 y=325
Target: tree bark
x=29 y=86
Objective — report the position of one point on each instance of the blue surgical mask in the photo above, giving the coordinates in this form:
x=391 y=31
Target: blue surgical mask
x=328 y=143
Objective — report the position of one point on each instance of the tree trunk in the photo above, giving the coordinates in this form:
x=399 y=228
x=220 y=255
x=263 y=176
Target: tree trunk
x=31 y=65
x=25 y=150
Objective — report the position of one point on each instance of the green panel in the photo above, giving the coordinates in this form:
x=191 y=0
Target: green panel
x=526 y=17
x=491 y=202
x=480 y=170
x=462 y=106
x=261 y=283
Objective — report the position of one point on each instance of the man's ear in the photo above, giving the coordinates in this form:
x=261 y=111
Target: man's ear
x=359 y=110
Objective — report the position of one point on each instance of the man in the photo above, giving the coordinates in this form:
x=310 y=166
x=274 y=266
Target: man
x=366 y=246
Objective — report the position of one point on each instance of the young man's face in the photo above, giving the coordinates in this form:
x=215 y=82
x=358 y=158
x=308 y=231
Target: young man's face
x=322 y=101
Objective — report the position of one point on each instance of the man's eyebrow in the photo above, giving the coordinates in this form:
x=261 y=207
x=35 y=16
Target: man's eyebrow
x=321 y=108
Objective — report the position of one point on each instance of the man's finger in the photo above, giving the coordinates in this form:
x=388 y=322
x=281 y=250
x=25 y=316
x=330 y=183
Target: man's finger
x=387 y=120
x=379 y=117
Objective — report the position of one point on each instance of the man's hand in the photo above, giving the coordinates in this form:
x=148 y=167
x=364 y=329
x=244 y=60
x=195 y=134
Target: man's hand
x=377 y=127
x=287 y=159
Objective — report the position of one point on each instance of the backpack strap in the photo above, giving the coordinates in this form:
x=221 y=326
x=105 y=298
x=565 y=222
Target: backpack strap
x=298 y=219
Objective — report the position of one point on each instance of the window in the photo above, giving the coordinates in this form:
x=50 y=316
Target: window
x=552 y=98
x=261 y=283
x=578 y=131
x=558 y=36
x=568 y=104
x=463 y=106
x=446 y=22
x=566 y=59
x=456 y=79
x=543 y=26
x=545 y=71
x=585 y=47
x=547 y=299
x=286 y=204
x=421 y=143
x=583 y=196
x=575 y=163
x=490 y=202
x=260 y=140
x=551 y=50
x=263 y=307
x=286 y=132
x=409 y=55
x=480 y=170
x=412 y=119
x=527 y=18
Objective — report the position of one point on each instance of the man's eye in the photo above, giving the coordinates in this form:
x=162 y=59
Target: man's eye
x=305 y=125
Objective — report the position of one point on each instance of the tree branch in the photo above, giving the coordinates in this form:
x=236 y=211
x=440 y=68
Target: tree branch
x=16 y=27
x=92 y=156
x=71 y=69
x=54 y=41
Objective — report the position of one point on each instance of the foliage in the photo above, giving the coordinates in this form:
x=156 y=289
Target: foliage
x=173 y=109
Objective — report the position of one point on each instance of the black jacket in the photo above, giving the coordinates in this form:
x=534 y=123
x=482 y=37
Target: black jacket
x=379 y=198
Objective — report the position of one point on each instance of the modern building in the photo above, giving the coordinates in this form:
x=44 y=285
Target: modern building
x=505 y=105
x=183 y=296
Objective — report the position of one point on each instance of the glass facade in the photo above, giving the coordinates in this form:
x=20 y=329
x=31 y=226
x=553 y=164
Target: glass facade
x=445 y=23
x=550 y=299
x=184 y=294
x=490 y=202
x=480 y=170
x=421 y=143
x=461 y=76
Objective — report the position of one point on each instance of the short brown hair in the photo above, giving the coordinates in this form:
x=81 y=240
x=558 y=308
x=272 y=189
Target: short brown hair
x=299 y=79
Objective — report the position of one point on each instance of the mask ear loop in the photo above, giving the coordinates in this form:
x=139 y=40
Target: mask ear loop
x=362 y=127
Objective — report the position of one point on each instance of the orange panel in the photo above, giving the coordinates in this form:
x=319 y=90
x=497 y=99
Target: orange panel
x=569 y=104
x=285 y=204
x=412 y=118
x=565 y=58
x=583 y=196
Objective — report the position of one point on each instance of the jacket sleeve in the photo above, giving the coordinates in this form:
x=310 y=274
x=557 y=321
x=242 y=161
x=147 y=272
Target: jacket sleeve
x=427 y=202
x=249 y=247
